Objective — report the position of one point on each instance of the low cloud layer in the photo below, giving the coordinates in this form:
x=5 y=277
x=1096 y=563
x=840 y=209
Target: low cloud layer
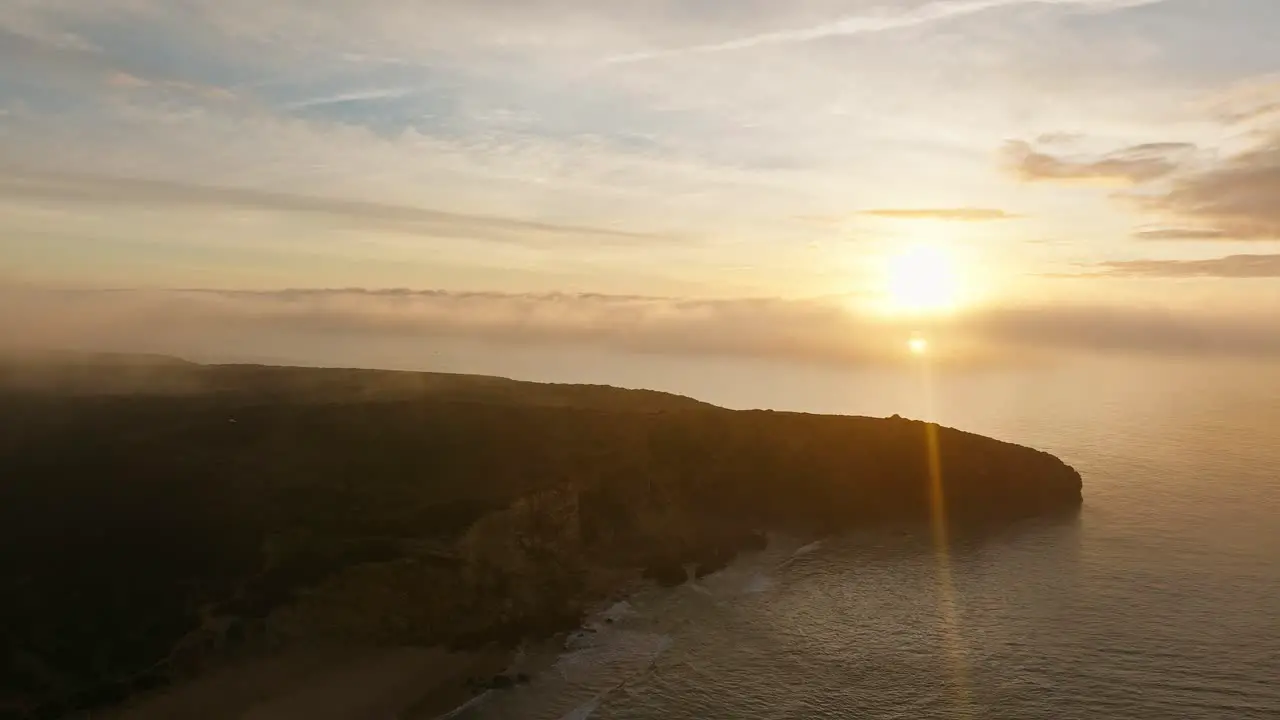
x=239 y=324
x=966 y=214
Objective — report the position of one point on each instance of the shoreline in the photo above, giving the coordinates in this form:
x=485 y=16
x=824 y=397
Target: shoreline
x=537 y=655
x=345 y=682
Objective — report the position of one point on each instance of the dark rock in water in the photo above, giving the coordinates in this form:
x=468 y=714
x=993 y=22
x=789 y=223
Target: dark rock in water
x=149 y=681
x=713 y=559
x=755 y=541
x=504 y=681
x=552 y=624
x=501 y=682
x=666 y=574
x=510 y=634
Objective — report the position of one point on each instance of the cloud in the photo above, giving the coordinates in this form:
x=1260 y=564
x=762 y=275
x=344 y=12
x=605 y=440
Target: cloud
x=125 y=80
x=1130 y=166
x=1249 y=101
x=1267 y=111
x=354 y=96
x=301 y=323
x=49 y=64
x=20 y=23
x=121 y=191
x=721 y=148
x=592 y=180
x=966 y=214
x=1236 y=196
x=1181 y=233
x=1130 y=330
x=1233 y=266
x=58 y=63
x=853 y=25
x=1217 y=197
x=1059 y=138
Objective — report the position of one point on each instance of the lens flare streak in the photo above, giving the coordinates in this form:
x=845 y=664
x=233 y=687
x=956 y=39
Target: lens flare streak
x=947 y=606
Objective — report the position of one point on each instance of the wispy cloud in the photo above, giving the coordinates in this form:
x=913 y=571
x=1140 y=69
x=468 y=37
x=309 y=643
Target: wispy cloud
x=116 y=191
x=1248 y=101
x=963 y=214
x=1128 y=166
x=1182 y=233
x=125 y=80
x=354 y=96
x=1060 y=138
x=867 y=24
x=22 y=22
x=1233 y=266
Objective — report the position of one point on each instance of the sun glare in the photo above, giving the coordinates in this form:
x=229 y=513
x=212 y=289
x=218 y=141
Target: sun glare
x=918 y=346
x=921 y=279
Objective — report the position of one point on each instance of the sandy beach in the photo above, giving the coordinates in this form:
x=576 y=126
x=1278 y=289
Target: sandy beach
x=327 y=684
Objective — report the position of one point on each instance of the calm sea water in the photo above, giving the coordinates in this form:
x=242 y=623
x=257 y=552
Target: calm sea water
x=1160 y=600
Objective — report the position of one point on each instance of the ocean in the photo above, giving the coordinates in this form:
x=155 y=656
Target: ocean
x=1160 y=599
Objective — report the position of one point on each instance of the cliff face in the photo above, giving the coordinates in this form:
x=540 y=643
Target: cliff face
x=144 y=532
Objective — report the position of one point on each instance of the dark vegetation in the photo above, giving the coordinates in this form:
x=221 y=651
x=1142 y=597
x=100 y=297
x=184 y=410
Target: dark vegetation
x=156 y=515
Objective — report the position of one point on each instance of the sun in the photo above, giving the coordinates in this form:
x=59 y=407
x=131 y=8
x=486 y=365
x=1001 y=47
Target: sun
x=918 y=345
x=921 y=279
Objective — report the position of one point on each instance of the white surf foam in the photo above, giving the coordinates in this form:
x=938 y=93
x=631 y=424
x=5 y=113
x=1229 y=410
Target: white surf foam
x=758 y=583
x=805 y=550
x=583 y=711
x=608 y=650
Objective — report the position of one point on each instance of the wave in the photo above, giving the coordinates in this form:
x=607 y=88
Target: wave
x=618 y=647
x=583 y=711
x=758 y=583
x=806 y=549
x=697 y=587
x=605 y=650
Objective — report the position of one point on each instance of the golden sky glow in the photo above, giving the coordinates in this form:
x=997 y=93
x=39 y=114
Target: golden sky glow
x=604 y=172
x=922 y=279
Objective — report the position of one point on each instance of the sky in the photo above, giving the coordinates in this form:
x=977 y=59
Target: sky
x=815 y=180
